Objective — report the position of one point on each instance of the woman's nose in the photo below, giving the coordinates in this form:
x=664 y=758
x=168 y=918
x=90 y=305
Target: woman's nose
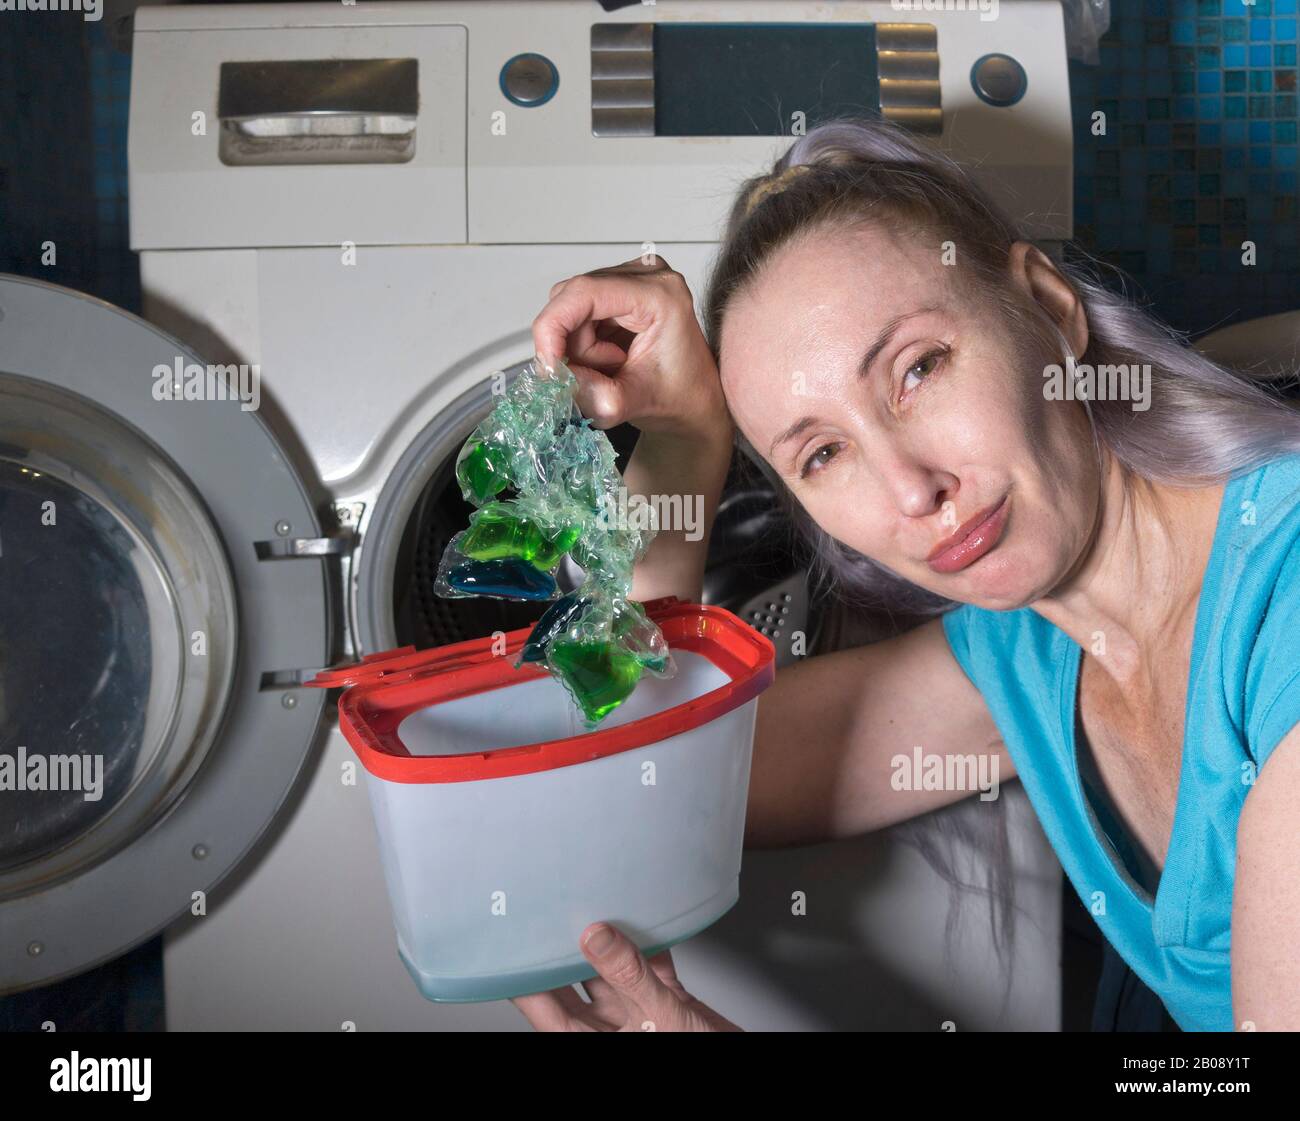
x=917 y=489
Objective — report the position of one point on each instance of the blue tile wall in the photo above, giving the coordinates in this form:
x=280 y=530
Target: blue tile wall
x=63 y=103
x=63 y=112
x=1199 y=156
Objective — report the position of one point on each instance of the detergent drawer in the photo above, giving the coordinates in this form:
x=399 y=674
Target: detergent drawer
x=297 y=136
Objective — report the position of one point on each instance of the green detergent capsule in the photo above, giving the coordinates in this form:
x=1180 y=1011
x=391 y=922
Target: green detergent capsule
x=498 y=532
x=552 y=548
x=481 y=470
x=600 y=675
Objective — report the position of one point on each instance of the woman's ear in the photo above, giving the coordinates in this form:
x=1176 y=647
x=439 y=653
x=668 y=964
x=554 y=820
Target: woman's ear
x=1035 y=273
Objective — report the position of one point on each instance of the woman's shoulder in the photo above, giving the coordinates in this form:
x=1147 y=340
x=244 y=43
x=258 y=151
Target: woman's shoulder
x=1259 y=607
x=1020 y=634
x=1259 y=533
x=1267 y=496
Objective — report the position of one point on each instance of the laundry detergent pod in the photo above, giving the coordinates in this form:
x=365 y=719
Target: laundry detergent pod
x=509 y=529
x=555 y=544
x=598 y=645
x=558 y=619
x=510 y=578
x=461 y=575
x=568 y=499
x=482 y=469
x=599 y=675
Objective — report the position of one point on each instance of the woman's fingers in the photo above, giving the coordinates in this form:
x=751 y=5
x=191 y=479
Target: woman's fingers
x=599 y=398
x=630 y=335
x=587 y=348
x=612 y=332
x=606 y=1000
x=557 y=1010
x=631 y=977
x=663 y=966
x=621 y=299
x=607 y=1005
x=545 y=1011
x=635 y=264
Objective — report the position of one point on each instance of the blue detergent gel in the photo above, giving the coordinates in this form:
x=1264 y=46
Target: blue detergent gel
x=555 y=621
x=509 y=579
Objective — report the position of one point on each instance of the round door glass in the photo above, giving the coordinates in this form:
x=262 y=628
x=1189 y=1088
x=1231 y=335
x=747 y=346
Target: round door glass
x=117 y=633
x=72 y=708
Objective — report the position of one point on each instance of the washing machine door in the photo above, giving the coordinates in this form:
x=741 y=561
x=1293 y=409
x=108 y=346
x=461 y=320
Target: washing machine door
x=150 y=618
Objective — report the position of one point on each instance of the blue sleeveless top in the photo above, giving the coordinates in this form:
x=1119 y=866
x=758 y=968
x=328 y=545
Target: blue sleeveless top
x=1243 y=698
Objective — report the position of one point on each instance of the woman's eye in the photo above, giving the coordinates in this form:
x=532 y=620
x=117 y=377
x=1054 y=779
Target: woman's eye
x=815 y=462
x=926 y=367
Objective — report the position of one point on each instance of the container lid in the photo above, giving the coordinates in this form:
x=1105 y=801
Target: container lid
x=383 y=689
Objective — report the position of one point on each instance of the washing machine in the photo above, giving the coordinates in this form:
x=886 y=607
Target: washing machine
x=348 y=215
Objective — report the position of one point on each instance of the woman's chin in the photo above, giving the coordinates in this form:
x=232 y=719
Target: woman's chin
x=993 y=583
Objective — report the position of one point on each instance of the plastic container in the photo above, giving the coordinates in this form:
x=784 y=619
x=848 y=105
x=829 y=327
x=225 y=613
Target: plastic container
x=505 y=830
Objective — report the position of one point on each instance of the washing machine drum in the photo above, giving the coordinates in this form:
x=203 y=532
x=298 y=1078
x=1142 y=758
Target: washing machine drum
x=146 y=736
x=755 y=567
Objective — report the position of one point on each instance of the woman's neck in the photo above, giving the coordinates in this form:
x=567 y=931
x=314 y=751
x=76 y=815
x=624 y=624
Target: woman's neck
x=1139 y=584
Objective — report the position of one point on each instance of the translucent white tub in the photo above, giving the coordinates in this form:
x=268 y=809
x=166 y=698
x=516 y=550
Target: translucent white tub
x=505 y=830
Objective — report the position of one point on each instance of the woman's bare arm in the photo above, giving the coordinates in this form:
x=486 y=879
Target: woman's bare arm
x=694 y=468
x=828 y=728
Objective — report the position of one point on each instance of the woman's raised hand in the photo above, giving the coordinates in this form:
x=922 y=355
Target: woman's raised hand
x=630 y=336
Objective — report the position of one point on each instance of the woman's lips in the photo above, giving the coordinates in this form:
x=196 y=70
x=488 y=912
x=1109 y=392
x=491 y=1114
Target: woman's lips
x=978 y=540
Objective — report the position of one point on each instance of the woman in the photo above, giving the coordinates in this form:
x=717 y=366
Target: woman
x=1115 y=571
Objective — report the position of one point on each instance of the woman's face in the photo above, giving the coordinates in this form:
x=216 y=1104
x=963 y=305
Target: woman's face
x=898 y=411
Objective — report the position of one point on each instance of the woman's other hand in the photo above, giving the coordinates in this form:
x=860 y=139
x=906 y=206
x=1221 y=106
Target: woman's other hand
x=631 y=993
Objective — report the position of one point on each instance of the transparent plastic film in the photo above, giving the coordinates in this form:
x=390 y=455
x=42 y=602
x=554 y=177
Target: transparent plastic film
x=545 y=484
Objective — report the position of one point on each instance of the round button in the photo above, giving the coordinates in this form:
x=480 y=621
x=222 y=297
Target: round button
x=529 y=79
x=999 y=79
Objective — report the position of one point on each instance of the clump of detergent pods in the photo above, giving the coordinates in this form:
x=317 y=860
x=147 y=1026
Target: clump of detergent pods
x=565 y=481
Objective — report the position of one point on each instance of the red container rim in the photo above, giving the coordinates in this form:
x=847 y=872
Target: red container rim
x=383 y=689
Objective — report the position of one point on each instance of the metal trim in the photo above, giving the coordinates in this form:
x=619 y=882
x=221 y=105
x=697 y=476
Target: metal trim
x=906 y=37
x=622 y=79
x=907 y=62
x=297 y=87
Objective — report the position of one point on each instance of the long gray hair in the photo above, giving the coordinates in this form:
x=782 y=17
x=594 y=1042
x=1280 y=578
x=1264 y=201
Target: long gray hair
x=1205 y=422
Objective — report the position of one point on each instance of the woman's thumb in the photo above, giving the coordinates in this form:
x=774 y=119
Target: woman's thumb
x=619 y=962
x=600 y=398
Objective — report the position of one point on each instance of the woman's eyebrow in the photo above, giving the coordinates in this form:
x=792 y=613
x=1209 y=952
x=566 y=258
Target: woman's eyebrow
x=887 y=333
x=791 y=432
x=864 y=368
